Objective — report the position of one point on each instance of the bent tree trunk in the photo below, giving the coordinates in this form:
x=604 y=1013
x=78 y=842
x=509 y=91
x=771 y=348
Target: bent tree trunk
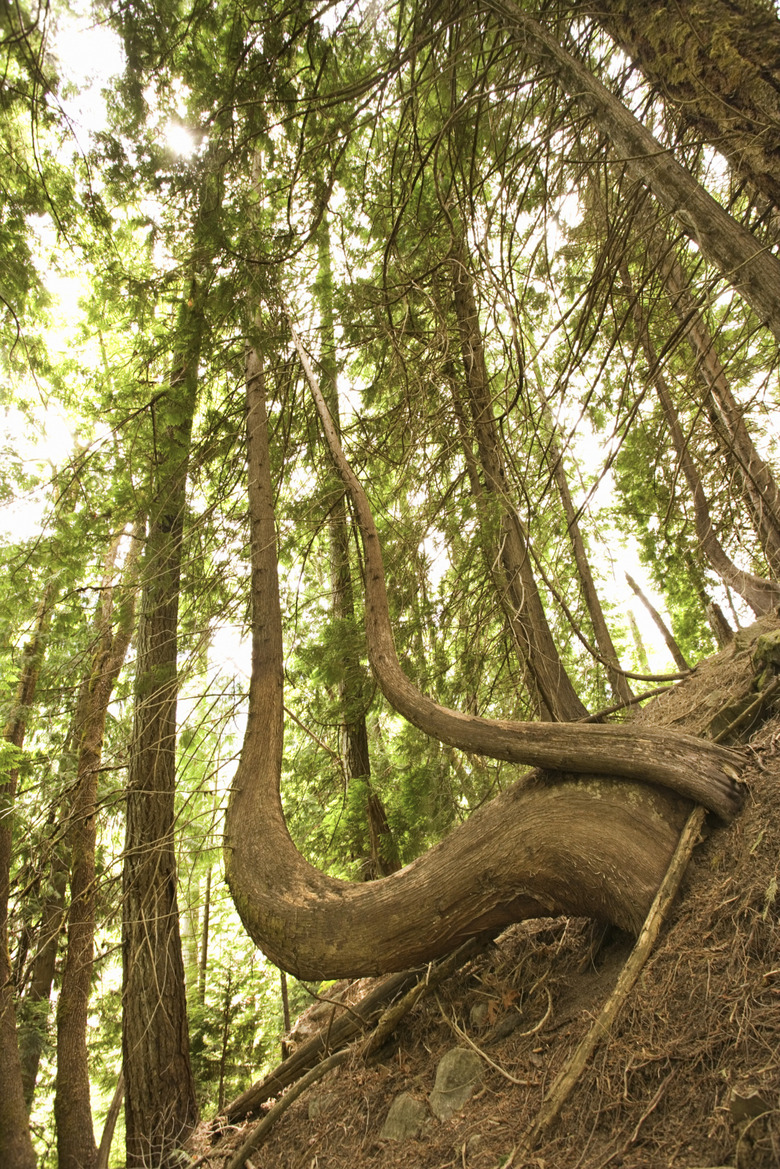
x=548 y=845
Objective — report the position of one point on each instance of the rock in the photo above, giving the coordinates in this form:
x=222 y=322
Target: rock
x=478 y=1016
x=404 y=1120
x=457 y=1077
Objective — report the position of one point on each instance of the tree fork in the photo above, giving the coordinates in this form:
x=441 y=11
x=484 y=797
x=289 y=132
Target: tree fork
x=549 y=845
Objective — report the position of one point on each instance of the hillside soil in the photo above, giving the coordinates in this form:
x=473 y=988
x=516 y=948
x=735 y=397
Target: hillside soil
x=690 y=1073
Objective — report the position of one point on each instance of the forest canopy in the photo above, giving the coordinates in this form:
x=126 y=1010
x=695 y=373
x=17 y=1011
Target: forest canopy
x=389 y=402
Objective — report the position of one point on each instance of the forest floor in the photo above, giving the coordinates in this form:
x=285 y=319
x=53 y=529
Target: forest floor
x=689 y=1075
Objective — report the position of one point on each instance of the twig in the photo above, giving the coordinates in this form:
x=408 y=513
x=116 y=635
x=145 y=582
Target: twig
x=261 y=1130
x=570 y=1074
x=497 y=1067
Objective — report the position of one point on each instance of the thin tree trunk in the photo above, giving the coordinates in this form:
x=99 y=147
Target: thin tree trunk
x=382 y=857
x=661 y=625
x=584 y=846
x=204 y=940
x=16 y=1149
x=761 y=595
x=760 y=489
x=114 y=1108
x=490 y=553
x=76 y=1148
x=35 y=1005
x=160 y=1106
x=742 y=259
x=617 y=679
x=542 y=655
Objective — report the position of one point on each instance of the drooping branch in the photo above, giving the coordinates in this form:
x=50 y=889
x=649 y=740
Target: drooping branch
x=548 y=845
x=694 y=769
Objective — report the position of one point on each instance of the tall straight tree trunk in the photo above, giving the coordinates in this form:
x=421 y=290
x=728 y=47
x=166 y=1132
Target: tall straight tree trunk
x=742 y=259
x=760 y=488
x=716 y=64
x=761 y=595
x=661 y=626
x=381 y=857
x=490 y=550
x=542 y=655
x=160 y=1107
x=16 y=1149
x=76 y=1148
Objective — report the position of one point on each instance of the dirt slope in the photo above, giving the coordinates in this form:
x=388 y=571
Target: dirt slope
x=690 y=1076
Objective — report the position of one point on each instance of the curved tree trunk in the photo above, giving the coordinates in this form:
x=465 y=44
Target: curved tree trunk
x=546 y=846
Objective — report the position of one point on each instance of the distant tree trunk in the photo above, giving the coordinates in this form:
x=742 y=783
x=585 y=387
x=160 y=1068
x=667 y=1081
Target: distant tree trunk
x=107 y=1137
x=617 y=680
x=76 y=1148
x=160 y=1107
x=203 y=959
x=16 y=1149
x=760 y=489
x=541 y=653
x=661 y=626
x=490 y=552
x=761 y=595
x=34 y=1007
x=382 y=857
x=716 y=65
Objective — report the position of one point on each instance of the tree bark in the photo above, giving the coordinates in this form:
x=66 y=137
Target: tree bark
x=742 y=259
x=548 y=845
x=160 y=1107
x=76 y=1148
x=16 y=1149
x=716 y=64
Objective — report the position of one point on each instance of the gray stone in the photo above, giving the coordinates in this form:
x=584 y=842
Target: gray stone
x=457 y=1077
x=404 y=1120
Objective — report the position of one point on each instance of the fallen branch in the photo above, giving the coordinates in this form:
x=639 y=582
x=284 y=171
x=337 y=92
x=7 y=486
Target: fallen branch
x=385 y=1025
x=372 y=1012
x=602 y=1024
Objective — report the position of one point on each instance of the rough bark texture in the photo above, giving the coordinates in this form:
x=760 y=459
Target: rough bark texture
x=16 y=1150
x=548 y=845
x=76 y=1148
x=742 y=259
x=550 y=675
x=160 y=1106
x=717 y=64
